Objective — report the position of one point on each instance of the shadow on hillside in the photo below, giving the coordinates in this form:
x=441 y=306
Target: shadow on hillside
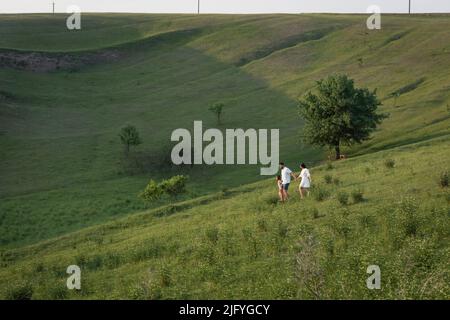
x=159 y=84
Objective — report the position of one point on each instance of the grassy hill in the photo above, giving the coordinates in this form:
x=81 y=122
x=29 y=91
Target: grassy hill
x=243 y=244
x=67 y=188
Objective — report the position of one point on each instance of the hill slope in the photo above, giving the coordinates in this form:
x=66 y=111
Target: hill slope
x=242 y=244
x=61 y=165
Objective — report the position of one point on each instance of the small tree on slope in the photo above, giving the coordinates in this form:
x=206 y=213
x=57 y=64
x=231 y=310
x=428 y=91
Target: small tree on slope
x=129 y=136
x=217 y=109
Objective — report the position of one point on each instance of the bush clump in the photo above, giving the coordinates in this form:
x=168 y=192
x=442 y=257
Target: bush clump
x=309 y=271
x=314 y=213
x=262 y=225
x=57 y=292
x=172 y=187
x=443 y=179
x=389 y=163
x=328 y=179
x=20 y=291
x=410 y=220
x=319 y=193
x=145 y=290
x=271 y=200
x=343 y=198
x=357 y=196
x=212 y=234
x=152 y=191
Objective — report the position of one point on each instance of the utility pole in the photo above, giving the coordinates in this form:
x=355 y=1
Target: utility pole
x=409 y=9
x=198 y=6
x=53 y=7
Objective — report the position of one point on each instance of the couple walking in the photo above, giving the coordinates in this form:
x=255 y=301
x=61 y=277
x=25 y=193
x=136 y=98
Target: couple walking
x=284 y=181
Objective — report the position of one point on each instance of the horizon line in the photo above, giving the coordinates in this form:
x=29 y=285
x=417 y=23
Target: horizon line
x=225 y=13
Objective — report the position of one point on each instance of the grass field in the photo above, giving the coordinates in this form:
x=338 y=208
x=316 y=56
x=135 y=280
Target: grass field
x=66 y=196
x=243 y=244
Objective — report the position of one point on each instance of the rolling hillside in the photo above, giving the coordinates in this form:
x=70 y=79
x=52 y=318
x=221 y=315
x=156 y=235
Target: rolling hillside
x=241 y=244
x=68 y=195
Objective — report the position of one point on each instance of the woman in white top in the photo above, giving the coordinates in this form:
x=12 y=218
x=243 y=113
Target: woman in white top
x=305 y=184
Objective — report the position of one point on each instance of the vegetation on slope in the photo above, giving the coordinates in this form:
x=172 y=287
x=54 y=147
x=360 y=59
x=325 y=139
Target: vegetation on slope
x=242 y=244
x=62 y=171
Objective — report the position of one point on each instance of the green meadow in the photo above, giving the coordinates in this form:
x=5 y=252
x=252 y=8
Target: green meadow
x=68 y=194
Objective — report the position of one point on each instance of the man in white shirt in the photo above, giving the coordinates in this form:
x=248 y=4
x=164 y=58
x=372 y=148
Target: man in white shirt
x=286 y=175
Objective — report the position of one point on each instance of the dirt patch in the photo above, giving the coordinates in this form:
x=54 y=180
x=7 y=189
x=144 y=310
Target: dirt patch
x=38 y=61
x=48 y=62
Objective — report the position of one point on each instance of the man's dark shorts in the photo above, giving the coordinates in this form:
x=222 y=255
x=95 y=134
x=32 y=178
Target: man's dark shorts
x=286 y=186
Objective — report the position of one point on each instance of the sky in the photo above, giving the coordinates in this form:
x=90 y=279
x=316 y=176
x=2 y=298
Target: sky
x=225 y=6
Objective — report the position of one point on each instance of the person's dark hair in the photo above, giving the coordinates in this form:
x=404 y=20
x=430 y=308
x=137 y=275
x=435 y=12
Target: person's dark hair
x=278 y=177
x=281 y=163
x=303 y=166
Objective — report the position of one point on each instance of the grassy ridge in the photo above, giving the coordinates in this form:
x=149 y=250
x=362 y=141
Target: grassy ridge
x=60 y=162
x=243 y=244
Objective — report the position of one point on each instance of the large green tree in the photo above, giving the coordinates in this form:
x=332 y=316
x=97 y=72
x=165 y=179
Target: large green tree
x=338 y=113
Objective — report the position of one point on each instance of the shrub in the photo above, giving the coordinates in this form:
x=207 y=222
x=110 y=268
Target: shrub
x=271 y=200
x=262 y=225
x=165 y=277
x=152 y=192
x=309 y=272
x=328 y=179
x=422 y=254
x=39 y=267
x=81 y=260
x=328 y=243
x=357 y=196
x=57 y=292
x=20 y=291
x=251 y=239
x=174 y=186
x=94 y=262
x=168 y=210
x=112 y=260
x=145 y=290
x=443 y=180
x=314 y=213
x=228 y=244
x=389 y=163
x=282 y=229
x=343 y=198
x=207 y=253
x=212 y=234
x=319 y=193
x=344 y=212
x=367 y=220
x=342 y=227
x=224 y=192
x=329 y=166
x=409 y=217
x=336 y=181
